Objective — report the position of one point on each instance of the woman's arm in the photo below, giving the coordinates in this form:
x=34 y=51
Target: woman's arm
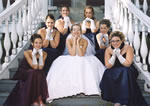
x=28 y=57
x=60 y=26
x=44 y=58
x=109 y=58
x=71 y=45
x=54 y=43
x=42 y=32
x=81 y=49
x=129 y=56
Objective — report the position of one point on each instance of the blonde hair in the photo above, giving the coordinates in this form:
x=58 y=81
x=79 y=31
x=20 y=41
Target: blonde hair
x=89 y=7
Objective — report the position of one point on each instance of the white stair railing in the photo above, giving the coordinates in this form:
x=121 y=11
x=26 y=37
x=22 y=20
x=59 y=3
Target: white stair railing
x=135 y=24
x=16 y=23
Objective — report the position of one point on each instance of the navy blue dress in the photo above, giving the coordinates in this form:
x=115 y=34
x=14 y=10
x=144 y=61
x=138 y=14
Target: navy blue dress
x=90 y=36
x=119 y=85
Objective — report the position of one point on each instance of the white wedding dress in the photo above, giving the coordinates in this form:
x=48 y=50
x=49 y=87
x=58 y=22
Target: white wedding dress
x=72 y=75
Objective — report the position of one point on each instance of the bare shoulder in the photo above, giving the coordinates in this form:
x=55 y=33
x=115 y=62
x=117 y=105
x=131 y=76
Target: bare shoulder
x=128 y=47
x=27 y=52
x=84 y=41
x=109 y=49
x=44 y=53
x=41 y=30
x=98 y=35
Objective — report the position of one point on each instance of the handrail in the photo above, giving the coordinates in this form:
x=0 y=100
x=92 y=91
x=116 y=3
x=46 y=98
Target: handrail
x=13 y=8
x=137 y=12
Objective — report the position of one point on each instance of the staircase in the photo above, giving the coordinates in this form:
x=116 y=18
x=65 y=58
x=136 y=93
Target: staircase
x=7 y=85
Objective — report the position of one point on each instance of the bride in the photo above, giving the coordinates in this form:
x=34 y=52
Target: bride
x=78 y=72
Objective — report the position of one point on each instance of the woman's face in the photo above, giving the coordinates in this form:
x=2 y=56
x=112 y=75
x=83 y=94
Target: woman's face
x=65 y=12
x=76 y=31
x=37 y=44
x=104 y=29
x=88 y=13
x=116 y=42
x=50 y=23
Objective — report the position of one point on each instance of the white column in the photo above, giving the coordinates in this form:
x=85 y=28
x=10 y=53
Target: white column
x=14 y=36
x=1 y=6
x=144 y=49
x=1 y=51
x=44 y=8
x=136 y=41
x=7 y=43
x=20 y=30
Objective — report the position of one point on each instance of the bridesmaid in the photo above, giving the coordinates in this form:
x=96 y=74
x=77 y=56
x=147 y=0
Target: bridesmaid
x=119 y=84
x=63 y=24
x=31 y=88
x=90 y=25
x=102 y=39
x=50 y=37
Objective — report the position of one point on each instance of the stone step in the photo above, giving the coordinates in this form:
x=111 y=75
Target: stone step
x=7 y=85
x=3 y=97
x=80 y=101
x=147 y=97
x=12 y=72
x=77 y=13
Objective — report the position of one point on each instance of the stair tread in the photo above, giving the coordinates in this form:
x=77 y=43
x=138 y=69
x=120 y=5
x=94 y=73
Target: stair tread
x=13 y=69
x=4 y=94
x=4 y=81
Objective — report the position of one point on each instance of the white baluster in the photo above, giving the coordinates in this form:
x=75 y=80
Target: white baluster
x=137 y=4
x=1 y=6
x=149 y=58
x=136 y=41
x=1 y=51
x=36 y=13
x=130 y=31
x=25 y=23
x=33 y=14
x=14 y=36
x=121 y=17
x=20 y=30
x=114 y=15
x=144 y=49
x=125 y=24
x=29 y=21
x=118 y=14
x=7 y=43
x=40 y=8
x=8 y=4
x=145 y=6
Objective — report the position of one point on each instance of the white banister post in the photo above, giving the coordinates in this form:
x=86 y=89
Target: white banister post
x=137 y=4
x=1 y=51
x=144 y=49
x=29 y=18
x=25 y=23
x=44 y=8
x=130 y=31
x=121 y=17
x=125 y=24
x=14 y=36
x=7 y=43
x=33 y=15
x=145 y=6
x=118 y=14
x=20 y=30
x=8 y=3
x=108 y=10
x=137 y=40
x=1 y=6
